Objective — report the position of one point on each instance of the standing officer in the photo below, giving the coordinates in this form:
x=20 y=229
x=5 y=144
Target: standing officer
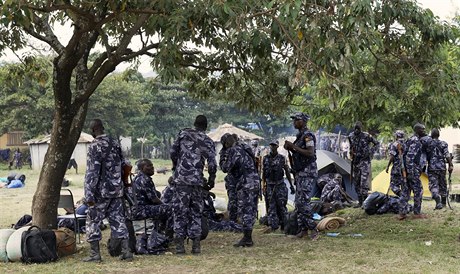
x=361 y=155
x=241 y=165
x=274 y=168
x=104 y=192
x=398 y=172
x=230 y=185
x=413 y=158
x=305 y=173
x=438 y=155
x=191 y=149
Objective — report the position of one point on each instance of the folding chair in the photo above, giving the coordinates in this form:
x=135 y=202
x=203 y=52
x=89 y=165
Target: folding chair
x=66 y=201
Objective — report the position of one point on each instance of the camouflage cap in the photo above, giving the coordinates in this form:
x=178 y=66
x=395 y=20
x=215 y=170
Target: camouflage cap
x=274 y=142
x=300 y=116
x=399 y=134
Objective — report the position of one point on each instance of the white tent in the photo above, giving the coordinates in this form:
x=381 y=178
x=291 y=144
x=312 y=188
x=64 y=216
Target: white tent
x=227 y=128
x=39 y=146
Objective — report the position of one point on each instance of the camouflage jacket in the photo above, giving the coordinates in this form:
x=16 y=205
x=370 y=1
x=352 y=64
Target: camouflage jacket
x=361 y=149
x=438 y=152
x=305 y=138
x=415 y=153
x=393 y=151
x=273 y=168
x=191 y=149
x=241 y=166
x=104 y=169
x=145 y=190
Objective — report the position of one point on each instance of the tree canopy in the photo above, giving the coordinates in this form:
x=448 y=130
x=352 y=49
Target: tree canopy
x=342 y=55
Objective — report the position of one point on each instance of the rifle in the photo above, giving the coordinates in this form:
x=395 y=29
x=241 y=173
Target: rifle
x=258 y=168
x=291 y=163
x=448 y=191
x=403 y=167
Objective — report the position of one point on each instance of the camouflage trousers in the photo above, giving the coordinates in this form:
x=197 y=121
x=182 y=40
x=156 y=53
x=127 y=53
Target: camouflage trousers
x=361 y=171
x=414 y=184
x=187 y=210
x=277 y=195
x=247 y=207
x=113 y=210
x=232 y=205
x=303 y=192
x=161 y=212
x=396 y=184
x=437 y=183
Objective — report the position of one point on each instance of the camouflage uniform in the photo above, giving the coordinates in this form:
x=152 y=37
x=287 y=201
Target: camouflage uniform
x=146 y=195
x=104 y=187
x=414 y=159
x=240 y=164
x=331 y=192
x=437 y=154
x=390 y=206
x=214 y=222
x=397 y=179
x=362 y=153
x=306 y=174
x=167 y=195
x=191 y=149
x=276 y=192
x=230 y=186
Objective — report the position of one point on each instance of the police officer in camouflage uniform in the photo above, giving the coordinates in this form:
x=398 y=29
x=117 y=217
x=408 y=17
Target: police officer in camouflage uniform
x=189 y=153
x=438 y=155
x=414 y=162
x=305 y=173
x=396 y=152
x=274 y=168
x=332 y=190
x=104 y=192
x=147 y=200
x=230 y=186
x=240 y=164
x=361 y=154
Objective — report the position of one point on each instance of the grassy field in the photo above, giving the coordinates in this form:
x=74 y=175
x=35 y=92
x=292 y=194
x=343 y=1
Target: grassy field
x=386 y=245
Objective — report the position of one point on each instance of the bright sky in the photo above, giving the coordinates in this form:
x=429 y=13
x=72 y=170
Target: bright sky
x=444 y=9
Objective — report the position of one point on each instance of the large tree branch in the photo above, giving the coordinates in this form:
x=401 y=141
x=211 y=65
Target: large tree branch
x=48 y=35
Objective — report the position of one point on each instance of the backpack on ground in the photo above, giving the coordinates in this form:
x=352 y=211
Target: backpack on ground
x=38 y=246
x=373 y=202
x=291 y=227
x=65 y=242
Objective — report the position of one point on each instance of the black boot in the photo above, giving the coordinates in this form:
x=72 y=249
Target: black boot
x=196 y=246
x=94 y=253
x=126 y=253
x=438 y=202
x=180 y=249
x=443 y=201
x=246 y=241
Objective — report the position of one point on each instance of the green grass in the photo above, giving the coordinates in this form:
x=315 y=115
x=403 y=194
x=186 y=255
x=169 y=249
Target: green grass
x=387 y=245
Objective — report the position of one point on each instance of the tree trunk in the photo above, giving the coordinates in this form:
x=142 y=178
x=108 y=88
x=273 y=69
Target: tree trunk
x=67 y=126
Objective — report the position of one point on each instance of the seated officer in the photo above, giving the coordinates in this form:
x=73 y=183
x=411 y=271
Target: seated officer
x=147 y=200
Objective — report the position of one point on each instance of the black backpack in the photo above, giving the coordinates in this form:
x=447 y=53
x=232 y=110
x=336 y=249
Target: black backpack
x=38 y=246
x=291 y=227
x=373 y=202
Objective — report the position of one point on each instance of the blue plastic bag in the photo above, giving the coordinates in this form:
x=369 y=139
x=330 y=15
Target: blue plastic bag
x=15 y=184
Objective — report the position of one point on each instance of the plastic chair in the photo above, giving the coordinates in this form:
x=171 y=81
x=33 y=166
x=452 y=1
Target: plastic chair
x=66 y=201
